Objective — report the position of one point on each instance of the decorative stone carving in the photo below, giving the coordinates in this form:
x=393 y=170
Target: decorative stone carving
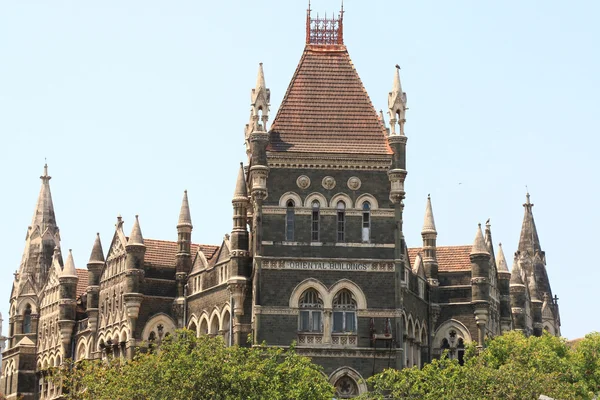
x=328 y=182
x=303 y=182
x=354 y=183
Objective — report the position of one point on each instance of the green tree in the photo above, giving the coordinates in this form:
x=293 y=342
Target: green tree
x=187 y=367
x=511 y=366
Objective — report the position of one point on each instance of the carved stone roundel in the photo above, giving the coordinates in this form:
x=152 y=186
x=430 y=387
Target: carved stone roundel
x=328 y=182
x=354 y=183
x=303 y=182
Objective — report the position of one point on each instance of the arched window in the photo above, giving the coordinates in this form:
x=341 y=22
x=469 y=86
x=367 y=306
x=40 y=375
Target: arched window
x=151 y=341
x=460 y=351
x=315 y=221
x=341 y=221
x=445 y=345
x=311 y=312
x=366 y=222
x=344 y=312
x=27 y=319
x=289 y=221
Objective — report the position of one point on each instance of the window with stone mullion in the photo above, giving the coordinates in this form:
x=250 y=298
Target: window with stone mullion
x=311 y=312
x=344 y=312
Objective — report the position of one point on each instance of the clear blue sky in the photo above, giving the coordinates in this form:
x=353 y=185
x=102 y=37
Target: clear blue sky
x=133 y=102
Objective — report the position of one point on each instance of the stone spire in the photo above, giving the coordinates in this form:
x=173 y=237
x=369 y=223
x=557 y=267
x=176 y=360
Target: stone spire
x=136 y=237
x=529 y=240
x=69 y=268
x=260 y=96
x=479 y=246
x=397 y=105
x=97 y=253
x=260 y=78
x=185 y=219
x=501 y=264
x=429 y=223
x=44 y=217
x=241 y=190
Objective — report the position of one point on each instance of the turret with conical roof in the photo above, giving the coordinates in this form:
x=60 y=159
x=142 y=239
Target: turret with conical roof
x=529 y=240
x=504 y=289
x=184 y=242
x=429 y=235
x=94 y=266
x=134 y=273
x=239 y=281
x=68 y=296
x=518 y=296
x=480 y=285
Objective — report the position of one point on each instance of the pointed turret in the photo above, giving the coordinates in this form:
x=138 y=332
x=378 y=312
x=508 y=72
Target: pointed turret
x=501 y=264
x=136 y=237
x=240 y=265
x=529 y=240
x=429 y=223
x=241 y=191
x=397 y=104
x=69 y=268
x=97 y=254
x=518 y=297
x=185 y=219
x=489 y=243
x=184 y=256
x=504 y=289
x=94 y=266
x=479 y=246
x=67 y=306
x=480 y=284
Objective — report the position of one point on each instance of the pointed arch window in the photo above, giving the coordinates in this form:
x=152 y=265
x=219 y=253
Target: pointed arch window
x=311 y=312
x=315 y=221
x=290 y=221
x=366 y=222
x=27 y=319
x=341 y=221
x=344 y=312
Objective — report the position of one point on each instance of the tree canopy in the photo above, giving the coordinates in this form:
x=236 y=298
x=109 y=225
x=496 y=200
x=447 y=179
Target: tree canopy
x=511 y=366
x=188 y=368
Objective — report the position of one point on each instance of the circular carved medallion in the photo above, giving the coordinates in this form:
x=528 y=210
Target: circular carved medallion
x=354 y=183
x=328 y=182
x=303 y=181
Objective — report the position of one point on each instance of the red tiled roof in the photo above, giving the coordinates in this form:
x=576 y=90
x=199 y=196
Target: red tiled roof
x=163 y=253
x=326 y=109
x=450 y=258
x=82 y=282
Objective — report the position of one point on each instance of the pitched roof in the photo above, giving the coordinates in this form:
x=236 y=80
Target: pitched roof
x=163 y=253
x=82 y=282
x=450 y=258
x=326 y=108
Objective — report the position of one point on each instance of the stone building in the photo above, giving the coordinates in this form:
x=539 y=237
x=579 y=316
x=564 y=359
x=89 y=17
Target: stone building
x=316 y=254
x=2 y=340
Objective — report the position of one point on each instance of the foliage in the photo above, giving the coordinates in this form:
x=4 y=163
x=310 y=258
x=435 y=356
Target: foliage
x=187 y=367
x=511 y=366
